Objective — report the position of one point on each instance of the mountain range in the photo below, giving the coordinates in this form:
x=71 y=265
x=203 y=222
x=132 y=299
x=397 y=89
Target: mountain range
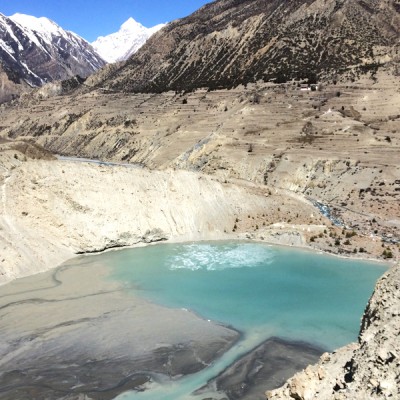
x=121 y=45
x=231 y=42
x=223 y=44
x=34 y=51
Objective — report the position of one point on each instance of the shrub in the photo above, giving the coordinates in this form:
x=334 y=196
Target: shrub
x=350 y=234
x=387 y=254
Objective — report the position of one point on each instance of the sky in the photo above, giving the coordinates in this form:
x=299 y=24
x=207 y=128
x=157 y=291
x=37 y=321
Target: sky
x=93 y=18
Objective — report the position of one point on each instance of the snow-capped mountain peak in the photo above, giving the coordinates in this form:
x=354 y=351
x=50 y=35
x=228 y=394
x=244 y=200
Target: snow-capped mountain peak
x=37 y=50
x=42 y=25
x=121 y=45
x=131 y=25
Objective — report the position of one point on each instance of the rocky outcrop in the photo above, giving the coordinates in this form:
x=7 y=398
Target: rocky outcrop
x=369 y=369
x=228 y=42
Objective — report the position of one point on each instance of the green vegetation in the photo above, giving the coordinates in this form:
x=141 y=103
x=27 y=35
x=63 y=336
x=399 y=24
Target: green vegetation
x=387 y=254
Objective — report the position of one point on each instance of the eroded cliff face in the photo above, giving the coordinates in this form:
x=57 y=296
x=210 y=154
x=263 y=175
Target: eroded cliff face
x=52 y=210
x=369 y=369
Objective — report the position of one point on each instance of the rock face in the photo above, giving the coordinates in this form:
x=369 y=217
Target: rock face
x=369 y=369
x=228 y=42
x=36 y=50
x=120 y=45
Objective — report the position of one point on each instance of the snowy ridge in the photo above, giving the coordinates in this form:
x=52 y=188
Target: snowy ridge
x=121 y=45
x=30 y=34
x=37 y=50
x=45 y=27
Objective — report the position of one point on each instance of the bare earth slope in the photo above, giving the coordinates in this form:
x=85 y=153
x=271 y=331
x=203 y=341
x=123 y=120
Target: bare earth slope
x=52 y=210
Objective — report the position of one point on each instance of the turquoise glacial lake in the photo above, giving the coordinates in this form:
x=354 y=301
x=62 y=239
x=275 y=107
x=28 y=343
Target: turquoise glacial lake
x=258 y=289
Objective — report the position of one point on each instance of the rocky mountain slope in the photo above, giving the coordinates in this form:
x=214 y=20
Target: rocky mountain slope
x=34 y=51
x=228 y=42
x=120 y=45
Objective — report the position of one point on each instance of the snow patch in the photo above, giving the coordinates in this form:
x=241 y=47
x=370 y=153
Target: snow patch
x=31 y=72
x=7 y=48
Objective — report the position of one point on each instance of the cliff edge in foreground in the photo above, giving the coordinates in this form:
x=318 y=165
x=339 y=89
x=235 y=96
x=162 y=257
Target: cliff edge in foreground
x=369 y=369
